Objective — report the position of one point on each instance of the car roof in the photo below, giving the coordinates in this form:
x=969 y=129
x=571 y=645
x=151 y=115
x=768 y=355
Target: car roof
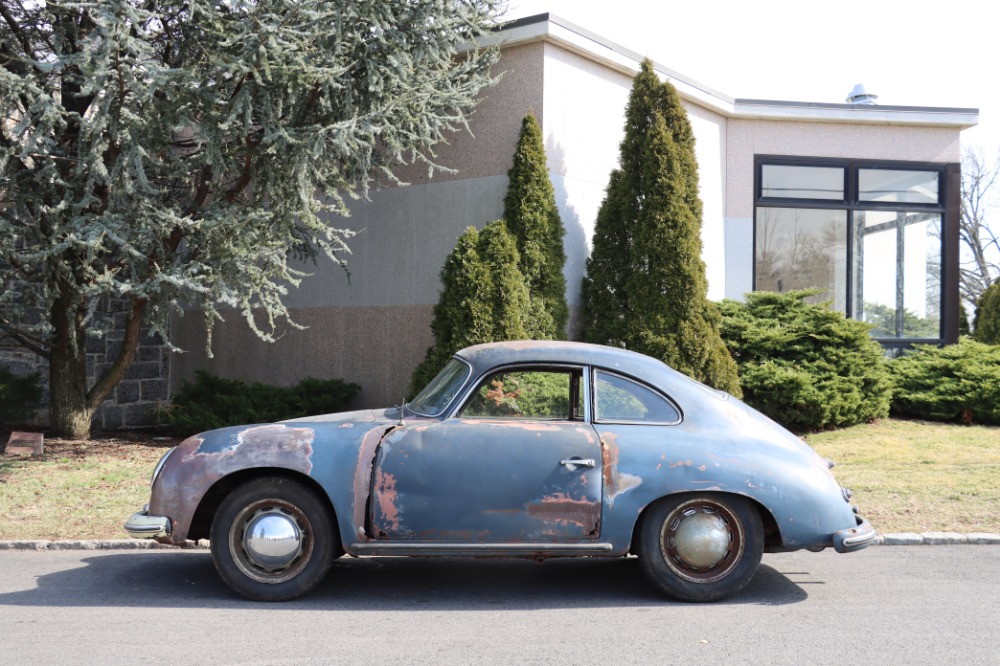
x=486 y=356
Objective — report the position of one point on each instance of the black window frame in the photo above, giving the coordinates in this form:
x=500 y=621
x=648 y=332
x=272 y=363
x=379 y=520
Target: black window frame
x=948 y=207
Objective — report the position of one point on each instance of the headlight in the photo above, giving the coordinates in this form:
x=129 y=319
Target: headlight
x=159 y=465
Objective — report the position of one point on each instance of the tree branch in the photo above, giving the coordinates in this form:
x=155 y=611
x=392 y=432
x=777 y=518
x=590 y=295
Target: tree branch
x=114 y=374
x=30 y=343
x=15 y=28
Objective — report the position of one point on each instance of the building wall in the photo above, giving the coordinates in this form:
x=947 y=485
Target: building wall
x=375 y=327
x=747 y=138
x=583 y=126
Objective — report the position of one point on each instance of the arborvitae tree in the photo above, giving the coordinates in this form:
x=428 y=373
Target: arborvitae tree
x=484 y=298
x=646 y=287
x=987 y=324
x=605 y=311
x=176 y=150
x=533 y=218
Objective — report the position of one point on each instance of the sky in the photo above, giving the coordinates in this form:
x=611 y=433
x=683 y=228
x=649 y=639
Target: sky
x=910 y=53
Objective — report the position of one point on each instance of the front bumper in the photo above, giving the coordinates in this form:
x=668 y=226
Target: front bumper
x=855 y=538
x=141 y=525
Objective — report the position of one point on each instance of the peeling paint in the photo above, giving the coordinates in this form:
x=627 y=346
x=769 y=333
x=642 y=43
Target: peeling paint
x=363 y=471
x=385 y=491
x=562 y=509
x=196 y=470
x=615 y=482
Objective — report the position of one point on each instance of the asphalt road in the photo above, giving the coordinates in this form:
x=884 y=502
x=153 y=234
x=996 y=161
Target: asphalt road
x=884 y=605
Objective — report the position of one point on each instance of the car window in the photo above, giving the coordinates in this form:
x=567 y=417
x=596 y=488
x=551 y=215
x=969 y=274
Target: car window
x=436 y=395
x=527 y=394
x=620 y=399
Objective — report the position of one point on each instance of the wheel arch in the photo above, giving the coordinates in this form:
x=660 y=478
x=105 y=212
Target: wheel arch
x=772 y=533
x=201 y=523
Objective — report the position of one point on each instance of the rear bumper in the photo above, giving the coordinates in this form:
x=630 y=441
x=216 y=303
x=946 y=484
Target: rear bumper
x=141 y=525
x=855 y=538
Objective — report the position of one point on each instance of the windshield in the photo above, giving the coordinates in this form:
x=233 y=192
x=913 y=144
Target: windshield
x=439 y=393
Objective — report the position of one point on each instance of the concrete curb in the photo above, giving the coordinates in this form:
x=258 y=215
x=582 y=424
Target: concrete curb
x=113 y=544
x=901 y=539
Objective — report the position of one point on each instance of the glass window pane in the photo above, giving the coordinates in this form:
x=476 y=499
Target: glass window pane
x=897 y=275
x=619 y=399
x=802 y=182
x=802 y=249
x=898 y=186
x=521 y=395
x=436 y=395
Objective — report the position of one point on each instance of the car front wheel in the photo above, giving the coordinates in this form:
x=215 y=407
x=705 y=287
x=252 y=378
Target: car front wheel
x=701 y=547
x=273 y=539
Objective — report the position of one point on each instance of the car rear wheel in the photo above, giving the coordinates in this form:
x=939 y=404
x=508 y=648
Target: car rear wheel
x=273 y=539
x=701 y=547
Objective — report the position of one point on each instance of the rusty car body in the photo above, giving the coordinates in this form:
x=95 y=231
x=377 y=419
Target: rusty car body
x=520 y=449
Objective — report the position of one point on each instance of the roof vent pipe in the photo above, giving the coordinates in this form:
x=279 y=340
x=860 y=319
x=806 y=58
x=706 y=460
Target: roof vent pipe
x=861 y=96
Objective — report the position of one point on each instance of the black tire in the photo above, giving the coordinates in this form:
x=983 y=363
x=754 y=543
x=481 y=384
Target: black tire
x=701 y=547
x=308 y=525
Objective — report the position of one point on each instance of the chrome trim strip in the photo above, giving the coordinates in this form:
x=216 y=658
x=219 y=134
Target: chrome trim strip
x=527 y=548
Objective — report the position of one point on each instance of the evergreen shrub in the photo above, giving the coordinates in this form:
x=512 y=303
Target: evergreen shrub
x=804 y=365
x=484 y=298
x=19 y=396
x=958 y=383
x=987 y=325
x=646 y=288
x=210 y=401
x=532 y=217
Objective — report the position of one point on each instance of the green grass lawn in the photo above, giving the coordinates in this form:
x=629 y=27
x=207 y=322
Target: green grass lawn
x=912 y=476
x=907 y=476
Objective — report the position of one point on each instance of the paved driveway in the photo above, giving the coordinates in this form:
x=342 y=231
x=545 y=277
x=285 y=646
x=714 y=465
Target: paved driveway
x=885 y=605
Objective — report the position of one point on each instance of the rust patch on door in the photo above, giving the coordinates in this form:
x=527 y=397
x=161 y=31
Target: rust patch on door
x=615 y=481
x=562 y=509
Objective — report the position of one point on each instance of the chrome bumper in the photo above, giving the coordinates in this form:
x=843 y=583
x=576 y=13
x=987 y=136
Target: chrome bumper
x=855 y=538
x=141 y=525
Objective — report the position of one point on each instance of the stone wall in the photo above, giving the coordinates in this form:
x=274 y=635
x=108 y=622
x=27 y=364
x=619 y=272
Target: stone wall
x=136 y=401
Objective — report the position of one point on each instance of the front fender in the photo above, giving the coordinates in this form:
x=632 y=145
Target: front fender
x=202 y=460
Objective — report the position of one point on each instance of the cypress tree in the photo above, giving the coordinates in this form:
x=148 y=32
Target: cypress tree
x=646 y=287
x=605 y=311
x=484 y=298
x=986 y=328
x=533 y=218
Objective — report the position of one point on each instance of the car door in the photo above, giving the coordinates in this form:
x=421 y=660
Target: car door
x=517 y=463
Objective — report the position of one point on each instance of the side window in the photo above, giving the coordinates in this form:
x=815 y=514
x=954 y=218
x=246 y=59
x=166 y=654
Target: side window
x=527 y=394
x=620 y=399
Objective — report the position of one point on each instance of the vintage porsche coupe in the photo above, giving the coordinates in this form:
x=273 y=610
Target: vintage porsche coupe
x=516 y=449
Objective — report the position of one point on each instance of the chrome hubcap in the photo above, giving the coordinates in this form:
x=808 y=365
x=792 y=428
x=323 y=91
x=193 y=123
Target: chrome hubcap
x=702 y=540
x=272 y=540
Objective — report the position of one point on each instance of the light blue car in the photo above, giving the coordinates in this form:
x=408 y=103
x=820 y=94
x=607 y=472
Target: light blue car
x=516 y=449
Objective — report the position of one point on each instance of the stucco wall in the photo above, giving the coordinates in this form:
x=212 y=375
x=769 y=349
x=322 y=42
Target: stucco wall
x=584 y=106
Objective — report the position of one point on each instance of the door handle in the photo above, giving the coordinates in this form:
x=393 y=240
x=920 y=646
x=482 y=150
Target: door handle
x=573 y=463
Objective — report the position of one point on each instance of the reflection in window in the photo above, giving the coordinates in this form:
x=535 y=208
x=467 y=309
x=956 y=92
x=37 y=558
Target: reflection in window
x=435 y=397
x=618 y=399
x=537 y=394
x=799 y=248
x=897 y=278
x=868 y=235
x=898 y=186
x=802 y=182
